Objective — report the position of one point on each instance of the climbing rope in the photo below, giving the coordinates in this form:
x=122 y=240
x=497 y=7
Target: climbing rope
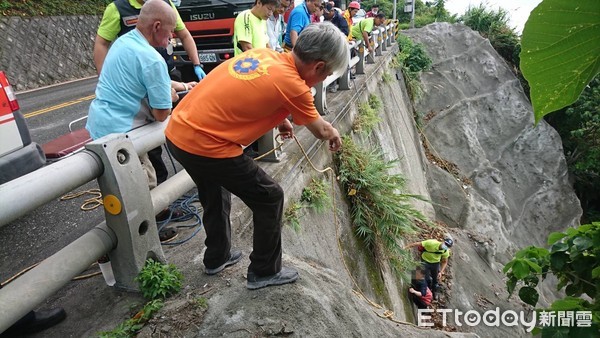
x=18 y=274
x=88 y=204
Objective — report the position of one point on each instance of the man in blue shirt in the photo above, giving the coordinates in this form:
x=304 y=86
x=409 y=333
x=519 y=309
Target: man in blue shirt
x=299 y=19
x=134 y=87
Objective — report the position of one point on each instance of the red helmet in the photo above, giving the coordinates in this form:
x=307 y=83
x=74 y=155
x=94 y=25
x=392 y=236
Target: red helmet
x=354 y=5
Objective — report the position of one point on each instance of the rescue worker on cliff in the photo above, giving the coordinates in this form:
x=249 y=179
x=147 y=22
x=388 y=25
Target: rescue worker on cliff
x=434 y=259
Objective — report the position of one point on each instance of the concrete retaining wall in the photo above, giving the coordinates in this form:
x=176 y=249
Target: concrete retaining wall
x=40 y=51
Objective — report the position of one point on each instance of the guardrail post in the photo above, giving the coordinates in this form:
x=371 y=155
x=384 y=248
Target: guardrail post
x=360 y=65
x=267 y=143
x=379 y=43
x=383 y=38
x=320 y=98
x=373 y=43
x=390 y=33
x=344 y=80
x=127 y=207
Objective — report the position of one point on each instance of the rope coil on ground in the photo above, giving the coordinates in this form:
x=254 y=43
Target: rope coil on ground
x=88 y=204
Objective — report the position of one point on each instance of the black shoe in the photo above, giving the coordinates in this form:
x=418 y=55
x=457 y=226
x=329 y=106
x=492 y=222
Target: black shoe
x=175 y=215
x=167 y=234
x=286 y=275
x=40 y=321
x=234 y=257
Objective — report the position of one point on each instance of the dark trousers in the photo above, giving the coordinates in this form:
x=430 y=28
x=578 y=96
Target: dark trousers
x=155 y=156
x=216 y=180
x=417 y=301
x=431 y=275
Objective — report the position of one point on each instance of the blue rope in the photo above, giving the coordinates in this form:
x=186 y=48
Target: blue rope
x=190 y=211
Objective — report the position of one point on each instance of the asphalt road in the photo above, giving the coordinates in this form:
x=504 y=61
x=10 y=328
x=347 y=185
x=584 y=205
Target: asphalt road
x=46 y=230
x=51 y=227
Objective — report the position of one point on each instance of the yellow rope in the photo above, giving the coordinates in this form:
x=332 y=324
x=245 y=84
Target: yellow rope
x=88 y=204
x=18 y=274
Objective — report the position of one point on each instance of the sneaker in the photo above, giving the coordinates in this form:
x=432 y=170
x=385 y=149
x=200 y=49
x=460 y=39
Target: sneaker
x=286 y=275
x=234 y=257
x=36 y=321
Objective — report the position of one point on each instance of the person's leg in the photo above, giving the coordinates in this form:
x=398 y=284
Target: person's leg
x=216 y=205
x=427 y=271
x=243 y=177
x=155 y=156
x=417 y=301
x=435 y=269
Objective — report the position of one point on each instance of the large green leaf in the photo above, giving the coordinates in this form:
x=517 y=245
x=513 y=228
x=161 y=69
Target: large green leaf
x=520 y=269
x=555 y=237
x=560 y=52
x=529 y=295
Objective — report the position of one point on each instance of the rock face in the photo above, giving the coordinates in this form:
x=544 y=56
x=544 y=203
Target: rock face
x=483 y=123
x=511 y=188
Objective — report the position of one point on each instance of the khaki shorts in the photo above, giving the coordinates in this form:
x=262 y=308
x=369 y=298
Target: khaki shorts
x=149 y=170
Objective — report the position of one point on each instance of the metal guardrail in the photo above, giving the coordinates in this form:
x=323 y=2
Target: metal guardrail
x=380 y=39
x=129 y=208
x=127 y=235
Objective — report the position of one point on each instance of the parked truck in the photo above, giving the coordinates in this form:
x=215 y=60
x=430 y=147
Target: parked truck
x=211 y=24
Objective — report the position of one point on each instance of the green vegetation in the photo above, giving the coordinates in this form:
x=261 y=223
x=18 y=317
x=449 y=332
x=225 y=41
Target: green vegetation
x=561 y=52
x=315 y=195
x=159 y=280
x=493 y=25
x=130 y=327
x=579 y=128
x=52 y=7
x=412 y=59
x=368 y=115
x=574 y=258
x=291 y=216
x=380 y=212
x=387 y=77
x=201 y=303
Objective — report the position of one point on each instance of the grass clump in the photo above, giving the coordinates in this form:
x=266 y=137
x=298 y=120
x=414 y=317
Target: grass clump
x=130 y=327
x=315 y=195
x=159 y=280
x=368 y=115
x=412 y=59
x=201 y=303
x=387 y=78
x=380 y=212
x=291 y=216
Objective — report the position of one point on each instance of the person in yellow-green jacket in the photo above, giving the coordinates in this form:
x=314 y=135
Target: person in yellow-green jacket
x=434 y=258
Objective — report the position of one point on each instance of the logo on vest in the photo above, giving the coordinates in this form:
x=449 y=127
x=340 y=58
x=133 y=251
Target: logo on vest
x=130 y=21
x=249 y=66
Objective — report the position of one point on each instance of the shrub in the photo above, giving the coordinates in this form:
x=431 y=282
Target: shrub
x=380 y=212
x=574 y=258
x=130 y=327
x=368 y=115
x=291 y=216
x=315 y=195
x=159 y=280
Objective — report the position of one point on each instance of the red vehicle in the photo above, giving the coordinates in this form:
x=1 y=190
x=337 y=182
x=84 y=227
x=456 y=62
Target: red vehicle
x=211 y=24
x=18 y=155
